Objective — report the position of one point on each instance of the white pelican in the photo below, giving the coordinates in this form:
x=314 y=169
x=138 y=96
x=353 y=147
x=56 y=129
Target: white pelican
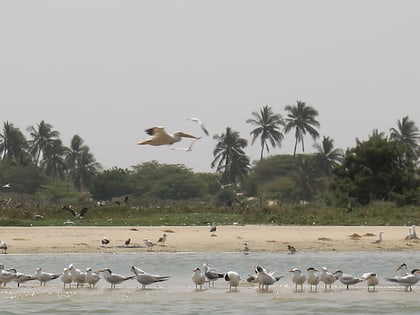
x=43 y=277
x=298 y=278
x=346 y=279
x=211 y=274
x=379 y=240
x=327 y=277
x=149 y=244
x=265 y=279
x=198 y=121
x=160 y=137
x=313 y=278
x=162 y=239
x=408 y=280
x=76 y=214
x=233 y=278
x=145 y=278
x=114 y=278
x=371 y=280
x=66 y=277
x=198 y=278
x=91 y=277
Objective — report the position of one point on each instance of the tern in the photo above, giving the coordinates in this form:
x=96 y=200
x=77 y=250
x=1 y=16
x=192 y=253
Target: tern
x=43 y=277
x=114 y=278
x=371 y=280
x=76 y=214
x=21 y=277
x=298 y=278
x=346 y=279
x=77 y=275
x=265 y=279
x=408 y=280
x=91 y=277
x=145 y=278
x=7 y=276
x=327 y=277
x=161 y=137
x=313 y=278
x=66 y=277
x=198 y=278
x=198 y=121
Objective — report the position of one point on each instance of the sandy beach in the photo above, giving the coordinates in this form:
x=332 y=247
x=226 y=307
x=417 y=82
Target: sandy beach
x=230 y=238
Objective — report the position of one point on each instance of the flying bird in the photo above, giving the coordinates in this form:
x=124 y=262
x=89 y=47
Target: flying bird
x=187 y=149
x=161 y=137
x=76 y=214
x=198 y=121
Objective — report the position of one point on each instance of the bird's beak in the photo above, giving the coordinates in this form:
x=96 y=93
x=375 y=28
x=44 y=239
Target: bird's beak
x=101 y=270
x=186 y=135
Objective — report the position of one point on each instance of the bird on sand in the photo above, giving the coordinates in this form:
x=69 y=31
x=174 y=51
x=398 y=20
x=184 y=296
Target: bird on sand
x=246 y=249
x=114 y=278
x=105 y=241
x=145 y=278
x=379 y=240
x=127 y=242
x=162 y=239
x=149 y=244
x=198 y=121
x=213 y=229
x=76 y=214
x=291 y=249
x=3 y=247
x=161 y=137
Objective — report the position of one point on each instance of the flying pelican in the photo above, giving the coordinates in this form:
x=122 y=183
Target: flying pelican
x=43 y=277
x=371 y=280
x=346 y=279
x=114 y=278
x=298 y=278
x=162 y=239
x=198 y=278
x=379 y=240
x=198 y=121
x=75 y=213
x=408 y=280
x=233 y=278
x=145 y=278
x=312 y=279
x=211 y=274
x=160 y=137
x=327 y=277
x=91 y=277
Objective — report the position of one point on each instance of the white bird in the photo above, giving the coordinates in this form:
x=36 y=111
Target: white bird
x=3 y=247
x=298 y=278
x=233 y=278
x=21 y=277
x=211 y=274
x=265 y=279
x=149 y=244
x=7 y=276
x=77 y=275
x=371 y=280
x=66 y=277
x=413 y=232
x=162 y=239
x=346 y=279
x=327 y=277
x=6 y=185
x=76 y=214
x=187 y=149
x=408 y=280
x=91 y=277
x=402 y=269
x=43 y=277
x=145 y=278
x=198 y=121
x=379 y=240
x=198 y=278
x=160 y=137
x=313 y=278
x=114 y=278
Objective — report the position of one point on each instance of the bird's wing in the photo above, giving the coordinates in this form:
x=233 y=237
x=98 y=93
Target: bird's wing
x=69 y=209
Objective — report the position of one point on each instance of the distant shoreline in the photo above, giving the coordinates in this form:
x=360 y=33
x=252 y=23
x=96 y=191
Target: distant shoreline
x=228 y=238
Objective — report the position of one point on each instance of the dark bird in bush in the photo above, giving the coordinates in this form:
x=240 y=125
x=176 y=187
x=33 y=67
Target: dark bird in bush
x=76 y=214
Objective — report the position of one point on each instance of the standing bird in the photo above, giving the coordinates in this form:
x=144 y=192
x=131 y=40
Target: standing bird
x=246 y=249
x=233 y=278
x=408 y=280
x=145 y=278
x=346 y=279
x=298 y=278
x=379 y=240
x=162 y=239
x=77 y=275
x=75 y=213
x=3 y=247
x=211 y=274
x=371 y=280
x=265 y=279
x=127 y=242
x=104 y=241
x=149 y=244
x=66 y=277
x=160 y=137
x=313 y=278
x=213 y=229
x=198 y=121
x=43 y=277
x=114 y=278
x=327 y=277
x=91 y=277
x=291 y=249
x=198 y=278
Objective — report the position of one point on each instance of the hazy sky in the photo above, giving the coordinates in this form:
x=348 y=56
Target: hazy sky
x=106 y=70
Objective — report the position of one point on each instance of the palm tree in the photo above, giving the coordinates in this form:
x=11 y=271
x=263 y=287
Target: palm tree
x=229 y=157
x=42 y=139
x=81 y=164
x=268 y=128
x=406 y=134
x=327 y=157
x=13 y=144
x=301 y=117
x=54 y=159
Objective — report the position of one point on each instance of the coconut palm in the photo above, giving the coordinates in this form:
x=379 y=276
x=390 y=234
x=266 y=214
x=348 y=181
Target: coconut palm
x=43 y=138
x=268 y=128
x=229 y=157
x=54 y=159
x=13 y=144
x=327 y=157
x=81 y=164
x=301 y=117
x=406 y=134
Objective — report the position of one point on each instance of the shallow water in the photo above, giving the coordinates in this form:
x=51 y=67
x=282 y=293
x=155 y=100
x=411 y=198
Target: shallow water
x=179 y=296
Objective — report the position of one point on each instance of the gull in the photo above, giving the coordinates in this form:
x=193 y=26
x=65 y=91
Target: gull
x=371 y=280
x=20 y=277
x=145 y=278
x=114 y=278
x=187 y=149
x=43 y=277
x=233 y=278
x=298 y=278
x=408 y=280
x=265 y=279
x=198 y=278
x=379 y=240
x=198 y=121
x=77 y=275
x=327 y=277
x=312 y=279
x=211 y=274
x=75 y=213
x=3 y=247
x=346 y=279
x=66 y=277
x=246 y=249
x=149 y=244
x=413 y=232
x=213 y=229
x=91 y=277
x=162 y=239
x=104 y=241
x=160 y=137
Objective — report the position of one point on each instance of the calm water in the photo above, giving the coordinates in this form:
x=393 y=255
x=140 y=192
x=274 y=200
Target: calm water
x=178 y=295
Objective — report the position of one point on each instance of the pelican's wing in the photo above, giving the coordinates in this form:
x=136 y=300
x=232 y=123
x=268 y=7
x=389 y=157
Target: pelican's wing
x=69 y=209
